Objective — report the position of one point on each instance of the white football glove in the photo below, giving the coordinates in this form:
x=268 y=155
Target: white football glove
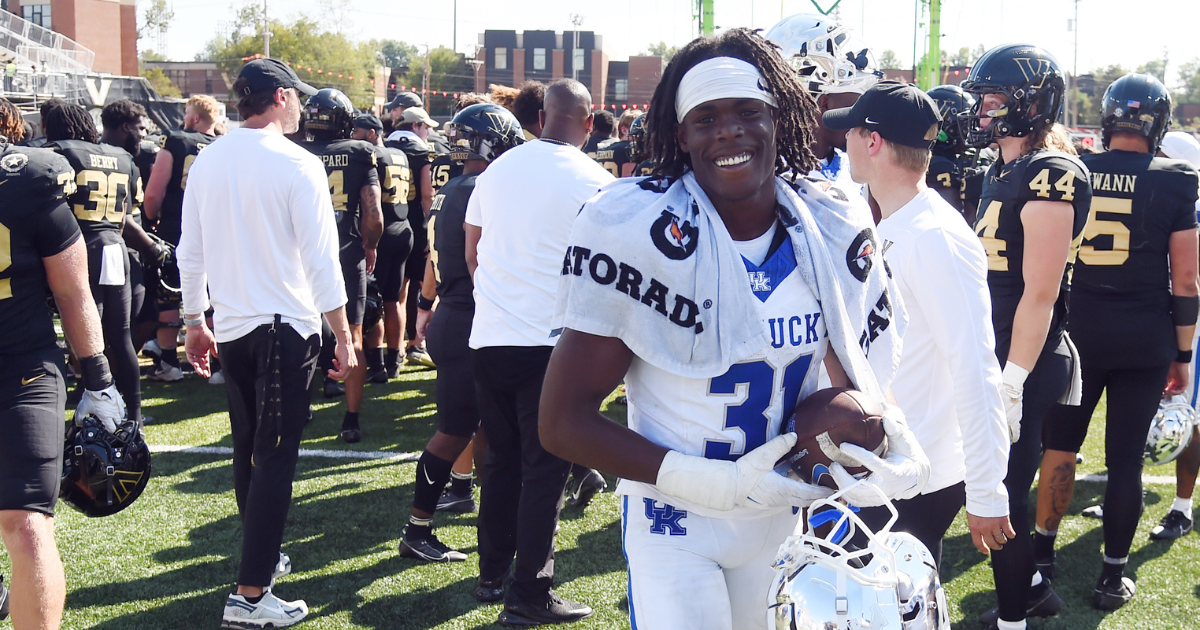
x=751 y=481
x=900 y=475
x=1012 y=390
x=105 y=404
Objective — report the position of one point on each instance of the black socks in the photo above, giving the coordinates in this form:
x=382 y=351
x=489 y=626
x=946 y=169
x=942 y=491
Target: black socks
x=432 y=474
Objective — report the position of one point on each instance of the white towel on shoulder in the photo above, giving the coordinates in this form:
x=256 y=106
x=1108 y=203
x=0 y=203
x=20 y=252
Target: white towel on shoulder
x=651 y=263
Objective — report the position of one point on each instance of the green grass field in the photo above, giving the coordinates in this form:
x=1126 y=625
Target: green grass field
x=168 y=561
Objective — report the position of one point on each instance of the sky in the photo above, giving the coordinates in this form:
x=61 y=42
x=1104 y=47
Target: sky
x=1109 y=31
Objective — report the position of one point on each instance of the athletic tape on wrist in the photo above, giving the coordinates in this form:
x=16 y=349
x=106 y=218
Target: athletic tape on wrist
x=95 y=373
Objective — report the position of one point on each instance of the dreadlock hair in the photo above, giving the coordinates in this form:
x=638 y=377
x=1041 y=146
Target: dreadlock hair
x=796 y=114
x=70 y=122
x=121 y=112
x=48 y=105
x=12 y=126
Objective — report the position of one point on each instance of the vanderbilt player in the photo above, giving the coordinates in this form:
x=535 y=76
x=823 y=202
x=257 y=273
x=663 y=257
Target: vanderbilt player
x=1133 y=315
x=615 y=156
x=481 y=132
x=354 y=184
x=946 y=172
x=1034 y=206
x=106 y=181
x=447 y=166
x=164 y=205
x=41 y=252
x=395 y=180
x=638 y=149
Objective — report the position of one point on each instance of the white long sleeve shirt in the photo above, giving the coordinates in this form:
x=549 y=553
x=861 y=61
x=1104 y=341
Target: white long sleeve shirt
x=948 y=383
x=259 y=236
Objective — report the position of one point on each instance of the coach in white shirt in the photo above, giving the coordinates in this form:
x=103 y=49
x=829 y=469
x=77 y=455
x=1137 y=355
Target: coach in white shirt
x=948 y=383
x=518 y=223
x=260 y=242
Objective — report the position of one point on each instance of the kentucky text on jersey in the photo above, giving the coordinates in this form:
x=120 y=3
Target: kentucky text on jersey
x=1114 y=182
x=628 y=280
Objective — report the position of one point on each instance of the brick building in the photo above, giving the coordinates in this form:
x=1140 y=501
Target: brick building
x=106 y=27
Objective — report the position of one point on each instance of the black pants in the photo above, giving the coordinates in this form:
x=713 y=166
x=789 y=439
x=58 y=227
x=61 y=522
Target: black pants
x=1012 y=565
x=266 y=436
x=114 y=305
x=522 y=483
x=446 y=340
x=926 y=516
x=1133 y=397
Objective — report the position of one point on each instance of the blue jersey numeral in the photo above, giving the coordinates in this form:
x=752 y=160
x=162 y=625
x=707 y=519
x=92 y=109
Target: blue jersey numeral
x=750 y=417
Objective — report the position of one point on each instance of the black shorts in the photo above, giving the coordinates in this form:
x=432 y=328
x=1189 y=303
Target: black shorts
x=446 y=339
x=33 y=398
x=354 y=272
x=414 y=269
x=390 y=260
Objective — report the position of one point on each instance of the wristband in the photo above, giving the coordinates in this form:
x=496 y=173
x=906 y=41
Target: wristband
x=424 y=303
x=1184 y=356
x=1184 y=309
x=94 y=372
x=199 y=321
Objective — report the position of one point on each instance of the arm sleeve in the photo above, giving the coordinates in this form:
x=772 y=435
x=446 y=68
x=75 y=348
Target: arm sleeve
x=189 y=255
x=951 y=287
x=56 y=230
x=316 y=235
x=474 y=205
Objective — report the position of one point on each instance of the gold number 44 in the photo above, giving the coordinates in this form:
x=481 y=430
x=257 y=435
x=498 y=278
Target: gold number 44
x=986 y=229
x=1064 y=185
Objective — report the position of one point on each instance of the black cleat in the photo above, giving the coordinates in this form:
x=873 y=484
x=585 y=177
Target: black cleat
x=350 y=436
x=1113 y=592
x=1174 y=525
x=3 y=600
x=488 y=591
x=554 y=610
x=333 y=389
x=1042 y=603
x=582 y=490
x=378 y=376
x=429 y=550
x=450 y=502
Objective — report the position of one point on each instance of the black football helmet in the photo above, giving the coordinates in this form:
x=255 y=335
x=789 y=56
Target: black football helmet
x=952 y=101
x=103 y=472
x=1136 y=103
x=482 y=132
x=1032 y=81
x=637 y=135
x=374 y=308
x=329 y=114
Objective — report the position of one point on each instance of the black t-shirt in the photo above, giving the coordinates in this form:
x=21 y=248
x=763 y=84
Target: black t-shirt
x=35 y=223
x=1038 y=176
x=448 y=242
x=183 y=146
x=350 y=165
x=419 y=155
x=445 y=168
x=395 y=180
x=106 y=185
x=1121 y=286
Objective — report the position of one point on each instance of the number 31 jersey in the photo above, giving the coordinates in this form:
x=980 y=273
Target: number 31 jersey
x=1038 y=176
x=727 y=416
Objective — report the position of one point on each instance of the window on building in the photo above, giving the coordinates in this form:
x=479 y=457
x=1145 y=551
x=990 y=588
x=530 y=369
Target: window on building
x=539 y=58
x=577 y=59
x=501 y=58
x=37 y=13
x=622 y=90
x=208 y=81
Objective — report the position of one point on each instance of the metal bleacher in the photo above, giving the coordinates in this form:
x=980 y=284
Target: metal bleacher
x=44 y=59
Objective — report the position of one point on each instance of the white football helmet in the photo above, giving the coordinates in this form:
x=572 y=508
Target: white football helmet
x=819 y=584
x=1170 y=431
x=827 y=57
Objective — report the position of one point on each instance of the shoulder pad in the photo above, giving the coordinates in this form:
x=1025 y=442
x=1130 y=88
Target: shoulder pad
x=1052 y=176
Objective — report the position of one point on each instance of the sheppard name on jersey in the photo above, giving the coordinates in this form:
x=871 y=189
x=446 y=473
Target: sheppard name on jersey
x=108 y=162
x=624 y=278
x=1114 y=182
x=340 y=159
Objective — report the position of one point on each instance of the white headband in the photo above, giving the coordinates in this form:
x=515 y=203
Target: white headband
x=717 y=78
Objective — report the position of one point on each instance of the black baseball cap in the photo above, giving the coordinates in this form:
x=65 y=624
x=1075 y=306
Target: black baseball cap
x=368 y=121
x=900 y=112
x=265 y=75
x=404 y=99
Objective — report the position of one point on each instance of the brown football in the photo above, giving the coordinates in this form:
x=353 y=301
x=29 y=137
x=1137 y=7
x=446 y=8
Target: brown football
x=825 y=420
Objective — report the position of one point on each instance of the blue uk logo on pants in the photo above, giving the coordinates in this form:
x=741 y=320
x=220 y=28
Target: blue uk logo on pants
x=665 y=519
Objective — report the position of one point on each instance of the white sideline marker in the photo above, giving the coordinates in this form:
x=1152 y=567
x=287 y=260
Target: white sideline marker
x=304 y=452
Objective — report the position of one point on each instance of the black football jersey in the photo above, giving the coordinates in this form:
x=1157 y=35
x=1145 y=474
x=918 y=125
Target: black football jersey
x=1038 y=176
x=944 y=175
x=184 y=146
x=615 y=158
x=350 y=165
x=419 y=155
x=106 y=186
x=443 y=169
x=35 y=223
x=395 y=180
x=643 y=169
x=448 y=242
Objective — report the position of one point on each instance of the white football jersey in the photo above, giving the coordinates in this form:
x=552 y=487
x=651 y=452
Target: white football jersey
x=730 y=415
x=837 y=170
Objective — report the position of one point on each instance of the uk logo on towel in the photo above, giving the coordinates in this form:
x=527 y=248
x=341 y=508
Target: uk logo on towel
x=675 y=241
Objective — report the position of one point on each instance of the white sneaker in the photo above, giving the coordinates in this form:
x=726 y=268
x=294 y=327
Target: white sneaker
x=269 y=612
x=151 y=350
x=282 y=568
x=166 y=373
x=217 y=378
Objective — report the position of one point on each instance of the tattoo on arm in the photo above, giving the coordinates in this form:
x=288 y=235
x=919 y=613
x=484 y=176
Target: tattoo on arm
x=372 y=216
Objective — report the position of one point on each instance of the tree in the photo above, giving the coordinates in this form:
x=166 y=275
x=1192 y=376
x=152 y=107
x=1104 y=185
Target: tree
x=155 y=19
x=159 y=81
x=321 y=58
x=965 y=57
x=661 y=49
x=148 y=54
x=1189 y=82
x=448 y=72
x=396 y=55
x=889 y=61
x=1156 y=68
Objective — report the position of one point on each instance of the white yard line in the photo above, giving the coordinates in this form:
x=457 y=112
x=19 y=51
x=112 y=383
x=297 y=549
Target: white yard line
x=304 y=452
